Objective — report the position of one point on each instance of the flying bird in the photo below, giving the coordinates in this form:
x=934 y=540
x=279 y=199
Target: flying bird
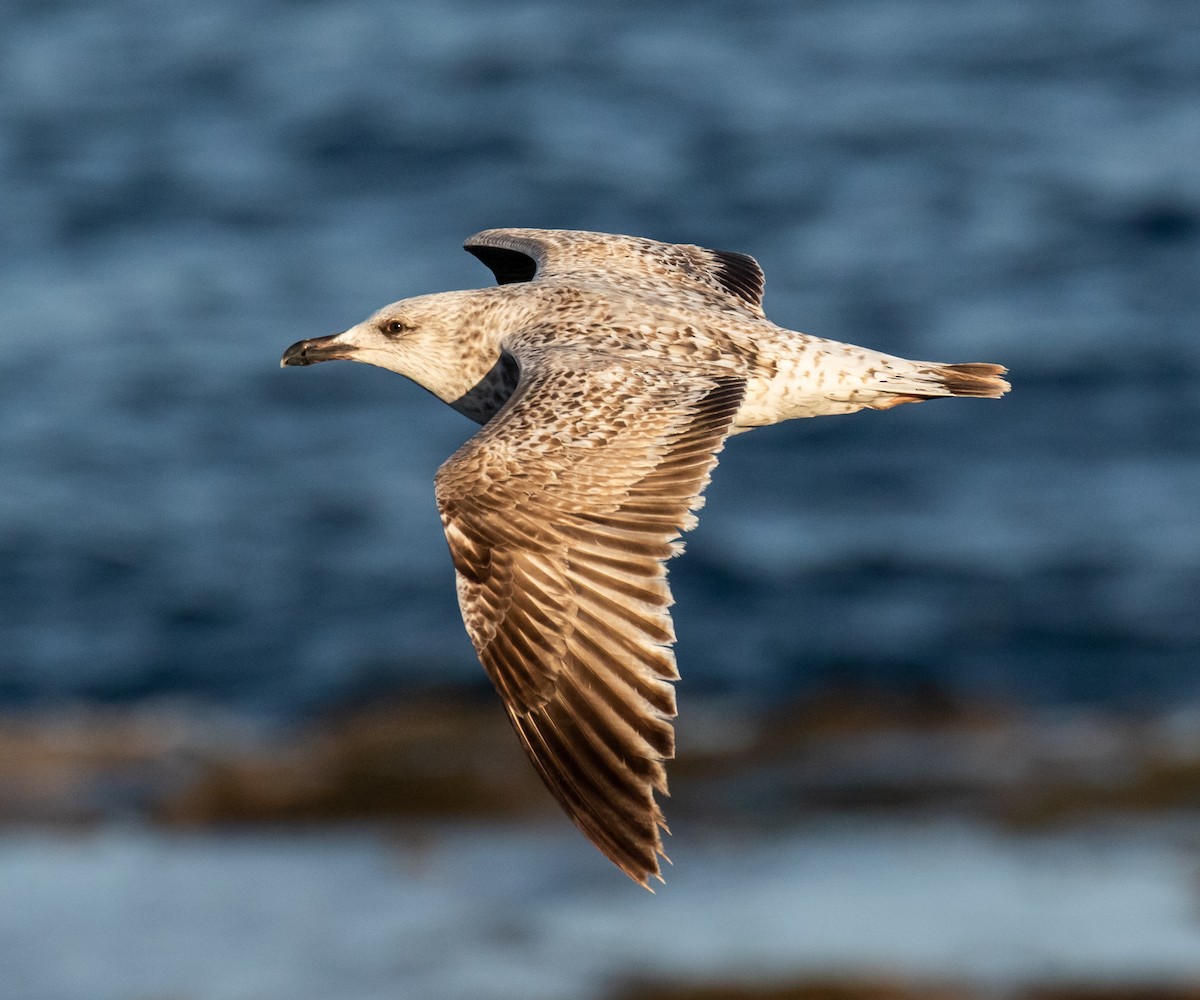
x=607 y=372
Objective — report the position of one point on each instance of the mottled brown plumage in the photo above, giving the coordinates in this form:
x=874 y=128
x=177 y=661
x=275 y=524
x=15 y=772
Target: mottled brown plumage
x=607 y=371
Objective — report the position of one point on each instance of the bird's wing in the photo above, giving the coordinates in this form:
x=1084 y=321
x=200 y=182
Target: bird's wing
x=561 y=513
x=546 y=254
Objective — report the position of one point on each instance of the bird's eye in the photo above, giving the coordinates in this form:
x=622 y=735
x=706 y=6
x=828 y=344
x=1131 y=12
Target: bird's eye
x=394 y=327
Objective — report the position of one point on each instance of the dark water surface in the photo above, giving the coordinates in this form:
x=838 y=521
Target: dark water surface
x=188 y=189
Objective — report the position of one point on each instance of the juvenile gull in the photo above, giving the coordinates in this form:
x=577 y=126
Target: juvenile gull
x=607 y=372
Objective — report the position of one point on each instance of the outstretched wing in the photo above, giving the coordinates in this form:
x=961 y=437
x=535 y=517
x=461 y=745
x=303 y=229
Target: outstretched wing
x=561 y=513
x=732 y=279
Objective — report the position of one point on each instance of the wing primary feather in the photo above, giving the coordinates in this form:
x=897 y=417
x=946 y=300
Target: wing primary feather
x=638 y=865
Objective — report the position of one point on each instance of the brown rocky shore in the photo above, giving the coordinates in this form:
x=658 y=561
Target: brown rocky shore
x=454 y=756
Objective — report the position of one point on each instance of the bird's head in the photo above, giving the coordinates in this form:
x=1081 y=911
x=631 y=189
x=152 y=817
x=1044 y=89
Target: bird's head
x=441 y=342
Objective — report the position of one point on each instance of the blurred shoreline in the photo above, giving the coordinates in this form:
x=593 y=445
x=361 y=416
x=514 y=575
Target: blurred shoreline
x=857 y=845
x=452 y=755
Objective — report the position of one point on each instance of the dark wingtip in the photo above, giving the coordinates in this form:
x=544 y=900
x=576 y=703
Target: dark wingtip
x=507 y=265
x=741 y=275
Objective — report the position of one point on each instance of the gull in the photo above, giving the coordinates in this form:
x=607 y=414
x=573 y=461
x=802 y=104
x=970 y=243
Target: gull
x=607 y=372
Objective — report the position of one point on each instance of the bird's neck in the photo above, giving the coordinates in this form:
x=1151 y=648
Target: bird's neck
x=483 y=400
x=486 y=375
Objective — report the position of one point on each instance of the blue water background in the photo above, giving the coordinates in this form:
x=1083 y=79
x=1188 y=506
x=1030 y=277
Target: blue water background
x=185 y=189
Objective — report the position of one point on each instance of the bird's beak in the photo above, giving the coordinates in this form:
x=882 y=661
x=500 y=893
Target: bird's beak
x=309 y=352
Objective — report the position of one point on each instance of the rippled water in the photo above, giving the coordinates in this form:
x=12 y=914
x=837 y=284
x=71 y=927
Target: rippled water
x=188 y=189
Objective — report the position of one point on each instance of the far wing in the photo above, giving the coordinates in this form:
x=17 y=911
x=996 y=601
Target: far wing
x=540 y=254
x=561 y=513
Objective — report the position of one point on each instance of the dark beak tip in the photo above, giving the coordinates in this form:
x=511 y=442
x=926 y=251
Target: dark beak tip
x=309 y=352
x=295 y=355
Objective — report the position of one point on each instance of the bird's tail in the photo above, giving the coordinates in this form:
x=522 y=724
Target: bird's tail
x=973 y=380
x=933 y=381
